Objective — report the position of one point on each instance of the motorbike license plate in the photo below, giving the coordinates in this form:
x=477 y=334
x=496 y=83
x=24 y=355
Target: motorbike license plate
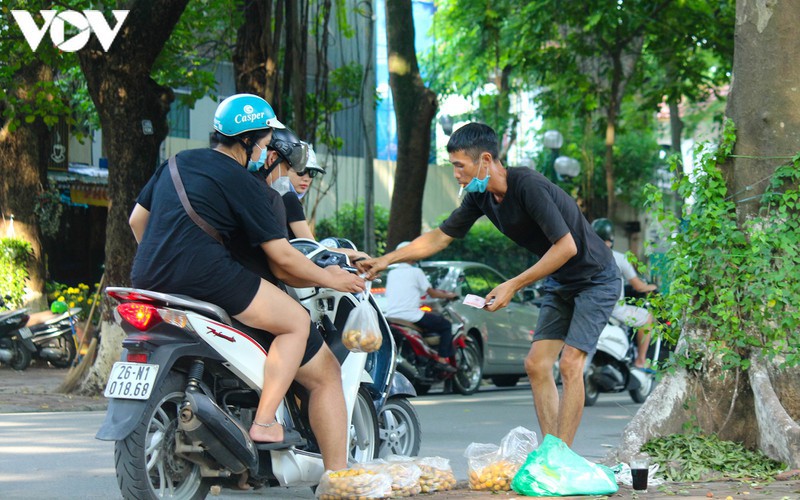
x=131 y=380
x=25 y=332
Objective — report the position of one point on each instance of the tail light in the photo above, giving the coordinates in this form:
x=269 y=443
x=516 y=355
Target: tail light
x=140 y=316
x=137 y=357
x=426 y=309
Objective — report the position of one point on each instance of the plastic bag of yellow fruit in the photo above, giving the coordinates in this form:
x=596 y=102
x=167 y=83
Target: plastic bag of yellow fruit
x=404 y=473
x=362 y=332
x=357 y=482
x=436 y=474
x=491 y=467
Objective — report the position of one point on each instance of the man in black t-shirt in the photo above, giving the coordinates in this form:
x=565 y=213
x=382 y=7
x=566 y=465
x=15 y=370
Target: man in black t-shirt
x=582 y=280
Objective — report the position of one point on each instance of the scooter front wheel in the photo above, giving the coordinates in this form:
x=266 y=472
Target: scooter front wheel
x=65 y=346
x=640 y=395
x=364 y=437
x=22 y=356
x=146 y=462
x=399 y=428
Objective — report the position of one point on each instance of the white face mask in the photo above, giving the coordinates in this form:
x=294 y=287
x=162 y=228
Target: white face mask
x=282 y=184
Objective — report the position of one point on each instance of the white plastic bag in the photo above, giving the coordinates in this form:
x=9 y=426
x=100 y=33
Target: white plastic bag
x=362 y=333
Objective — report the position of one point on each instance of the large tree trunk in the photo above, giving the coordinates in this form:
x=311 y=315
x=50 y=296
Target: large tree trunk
x=758 y=408
x=255 y=57
x=133 y=115
x=415 y=107
x=23 y=170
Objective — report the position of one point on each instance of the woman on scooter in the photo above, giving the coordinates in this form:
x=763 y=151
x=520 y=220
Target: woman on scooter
x=176 y=255
x=303 y=166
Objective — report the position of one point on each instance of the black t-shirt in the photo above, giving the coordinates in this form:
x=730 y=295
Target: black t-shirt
x=253 y=257
x=535 y=213
x=294 y=210
x=177 y=256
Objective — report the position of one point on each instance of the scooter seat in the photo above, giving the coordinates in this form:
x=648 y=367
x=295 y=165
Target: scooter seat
x=10 y=314
x=404 y=323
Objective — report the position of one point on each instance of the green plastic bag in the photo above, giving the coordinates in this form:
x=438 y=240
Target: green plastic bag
x=555 y=470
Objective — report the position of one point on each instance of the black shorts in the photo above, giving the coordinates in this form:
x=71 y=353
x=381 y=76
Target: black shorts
x=313 y=345
x=577 y=315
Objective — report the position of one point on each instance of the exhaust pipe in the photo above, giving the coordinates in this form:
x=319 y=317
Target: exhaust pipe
x=6 y=355
x=201 y=419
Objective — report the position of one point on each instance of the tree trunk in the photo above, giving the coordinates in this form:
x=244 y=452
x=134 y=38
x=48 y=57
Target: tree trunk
x=133 y=115
x=415 y=106
x=765 y=113
x=23 y=169
x=255 y=56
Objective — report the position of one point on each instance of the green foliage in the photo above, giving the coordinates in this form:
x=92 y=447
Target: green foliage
x=343 y=87
x=48 y=209
x=693 y=457
x=486 y=244
x=15 y=255
x=348 y=222
x=738 y=282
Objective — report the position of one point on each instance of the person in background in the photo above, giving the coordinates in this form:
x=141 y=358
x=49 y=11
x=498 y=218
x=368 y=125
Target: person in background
x=176 y=256
x=581 y=278
x=302 y=166
x=633 y=316
x=405 y=286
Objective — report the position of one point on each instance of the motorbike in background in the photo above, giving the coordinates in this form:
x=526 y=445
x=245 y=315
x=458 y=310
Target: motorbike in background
x=53 y=334
x=187 y=390
x=16 y=347
x=418 y=353
x=612 y=369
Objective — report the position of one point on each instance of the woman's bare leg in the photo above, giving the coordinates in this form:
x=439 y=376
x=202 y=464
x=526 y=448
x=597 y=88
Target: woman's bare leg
x=322 y=377
x=274 y=311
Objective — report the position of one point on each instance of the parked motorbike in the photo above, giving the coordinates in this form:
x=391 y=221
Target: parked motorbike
x=53 y=334
x=16 y=347
x=187 y=390
x=418 y=352
x=612 y=369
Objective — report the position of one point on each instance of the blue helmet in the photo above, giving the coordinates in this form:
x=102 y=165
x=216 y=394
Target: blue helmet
x=241 y=113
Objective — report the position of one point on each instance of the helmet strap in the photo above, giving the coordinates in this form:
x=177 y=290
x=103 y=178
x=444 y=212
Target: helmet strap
x=248 y=149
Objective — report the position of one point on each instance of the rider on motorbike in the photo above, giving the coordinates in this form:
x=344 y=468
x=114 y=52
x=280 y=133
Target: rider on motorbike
x=405 y=285
x=176 y=255
x=636 y=317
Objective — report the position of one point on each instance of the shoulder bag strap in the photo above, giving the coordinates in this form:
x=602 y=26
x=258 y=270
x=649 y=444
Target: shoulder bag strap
x=176 y=179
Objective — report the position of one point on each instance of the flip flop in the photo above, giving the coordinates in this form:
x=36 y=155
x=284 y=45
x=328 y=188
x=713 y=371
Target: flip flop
x=646 y=370
x=290 y=438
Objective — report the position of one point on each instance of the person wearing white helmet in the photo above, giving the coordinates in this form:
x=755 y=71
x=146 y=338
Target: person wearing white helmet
x=181 y=256
x=405 y=286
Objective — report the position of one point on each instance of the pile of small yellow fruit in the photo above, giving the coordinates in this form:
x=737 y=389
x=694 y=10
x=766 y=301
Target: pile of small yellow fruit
x=496 y=476
x=362 y=340
x=354 y=483
x=435 y=479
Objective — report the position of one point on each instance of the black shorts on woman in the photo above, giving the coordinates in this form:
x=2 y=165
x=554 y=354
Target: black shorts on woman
x=177 y=256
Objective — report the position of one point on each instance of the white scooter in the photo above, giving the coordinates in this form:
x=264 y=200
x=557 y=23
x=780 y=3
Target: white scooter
x=612 y=369
x=187 y=390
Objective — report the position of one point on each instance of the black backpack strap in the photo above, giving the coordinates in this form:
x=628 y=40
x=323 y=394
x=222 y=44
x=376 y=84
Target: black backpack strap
x=176 y=179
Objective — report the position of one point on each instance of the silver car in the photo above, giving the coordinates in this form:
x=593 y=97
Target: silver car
x=504 y=336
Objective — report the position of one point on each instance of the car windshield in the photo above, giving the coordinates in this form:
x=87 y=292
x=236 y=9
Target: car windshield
x=435 y=274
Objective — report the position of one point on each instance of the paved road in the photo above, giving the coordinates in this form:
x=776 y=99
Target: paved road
x=55 y=455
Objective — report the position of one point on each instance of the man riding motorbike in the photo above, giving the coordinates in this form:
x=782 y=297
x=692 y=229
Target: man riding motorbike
x=178 y=254
x=633 y=316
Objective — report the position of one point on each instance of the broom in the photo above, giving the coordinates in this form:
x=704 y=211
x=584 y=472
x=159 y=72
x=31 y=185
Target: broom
x=77 y=371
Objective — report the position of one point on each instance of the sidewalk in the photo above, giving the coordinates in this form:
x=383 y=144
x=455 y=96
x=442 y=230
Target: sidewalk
x=33 y=390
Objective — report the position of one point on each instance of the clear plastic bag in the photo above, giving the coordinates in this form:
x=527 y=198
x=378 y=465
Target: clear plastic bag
x=436 y=474
x=553 y=469
x=362 y=333
x=404 y=473
x=492 y=467
x=355 y=482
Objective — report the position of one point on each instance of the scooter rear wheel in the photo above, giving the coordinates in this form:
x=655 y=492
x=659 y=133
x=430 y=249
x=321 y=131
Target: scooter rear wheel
x=65 y=344
x=146 y=463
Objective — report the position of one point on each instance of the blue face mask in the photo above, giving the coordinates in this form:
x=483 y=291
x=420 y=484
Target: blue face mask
x=253 y=166
x=478 y=185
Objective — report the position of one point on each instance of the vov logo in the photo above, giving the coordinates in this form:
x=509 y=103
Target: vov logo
x=86 y=23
